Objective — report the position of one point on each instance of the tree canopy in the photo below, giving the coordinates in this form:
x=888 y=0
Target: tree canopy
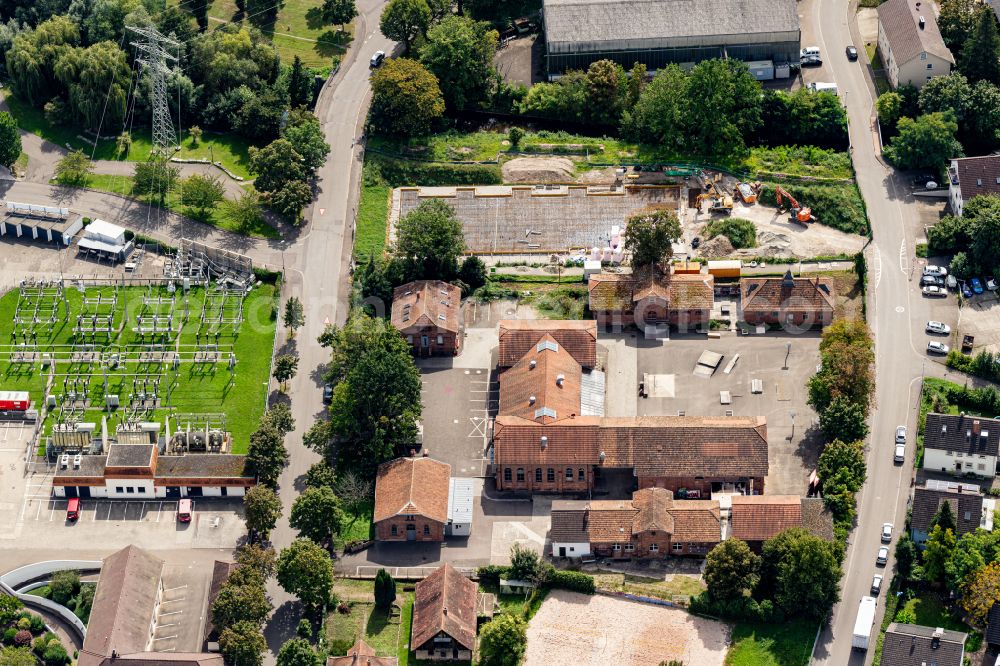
x=262 y=508
x=503 y=641
x=459 y=52
x=927 y=142
x=801 y=572
x=305 y=571
x=731 y=569
x=10 y=140
x=429 y=239
x=649 y=236
x=406 y=98
x=243 y=644
x=404 y=20
x=317 y=514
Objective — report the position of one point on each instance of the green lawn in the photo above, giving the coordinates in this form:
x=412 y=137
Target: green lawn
x=82 y=611
x=373 y=219
x=230 y=149
x=216 y=218
x=193 y=388
x=357 y=525
x=679 y=585
x=929 y=610
x=786 y=644
x=389 y=636
x=516 y=604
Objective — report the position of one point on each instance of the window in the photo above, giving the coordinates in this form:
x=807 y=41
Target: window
x=930 y=66
x=629 y=548
x=569 y=473
x=572 y=549
x=948 y=453
x=440 y=339
x=981 y=467
x=538 y=475
x=923 y=55
x=427 y=530
x=677 y=547
x=581 y=474
x=520 y=474
x=409 y=339
x=119 y=489
x=394 y=530
x=129 y=489
x=424 y=341
x=551 y=474
x=968 y=465
x=617 y=547
x=506 y=474
x=654 y=547
x=968 y=515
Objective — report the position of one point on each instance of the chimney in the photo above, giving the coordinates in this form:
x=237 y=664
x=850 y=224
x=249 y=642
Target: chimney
x=922 y=22
x=560 y=379
x=444 y=611
x=602 y=457
x=426 y=453
x=787 y=282
x=975 y=427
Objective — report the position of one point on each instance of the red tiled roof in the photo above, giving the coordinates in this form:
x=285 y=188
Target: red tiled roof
x=445 y=602
x=361 y=654
x=697 y=521
x=532 y=388
x=427 y=303
x=787 y=294
x=412 y=486
x=653 y=510
x=519 y=336
x=978 y=175
x=760 y=517
x=619 y=291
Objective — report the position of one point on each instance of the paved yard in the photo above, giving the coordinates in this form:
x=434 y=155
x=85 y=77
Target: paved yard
x=793 y=451
x=572 y=628
x=14 y=441
x=457 y=404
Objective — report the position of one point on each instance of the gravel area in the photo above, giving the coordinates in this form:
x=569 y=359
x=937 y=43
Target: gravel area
x=582 y=630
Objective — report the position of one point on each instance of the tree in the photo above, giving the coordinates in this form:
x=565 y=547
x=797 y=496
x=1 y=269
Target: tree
x=10 y=607
x=430 y=239
x=956 y=22
x=985 y=233
x=280 y=416
x=304 y=629
x=31 y=60
x=243 y=644
x=906 y=555
x=266 y=455
x=980 y=592
x=659 y=115
x=244 y=212
x=317 y=514
x=298 y=652
x=723 y=104
x=17 y=656
x=97 y=81
x=339 y=12
x=606 y=91
x=276 y=164
x=525 y=564
x=972 y=552
x=459 y=52
x=635 y=85
x=294 y=317
x=740 y=232
x=514 y=136
x=980 y=54
x=290 y=199
x=960 y=266
x=937 y=553
x=376 y=395
x=262 y=508
x=847 y=350
x=10 y=140
x=890 y=107
x=473 y=272
x=263 y=560
x=731 y=569
x=285 y=367
x=305 y=571
x=74 y=169
x=240 y=603
x=195 y=133
x=649 y=237
x=201 y=193
x=55 y=654
x=800 y=572
x=406 y=98
x=64 y=585
x=385 y=589
x=924 y=143
x=502 y=641
x=306 y=136
x=950 y=93
x=123 y=144
x=155 y=177
x=843 y=419
x=320 y=475
x=846 y=458
x=944 y=518
x=319 y=438
x=299 y=83
x=404 y=20
x=353 y=490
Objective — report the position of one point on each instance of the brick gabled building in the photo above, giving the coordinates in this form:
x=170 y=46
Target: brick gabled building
x=444 y=616
x=794 y=301
x=683 y=301
x=757 y=518
x=518 y=337
x=697 y=454
x=650 y=525
x=411 y=500
x=428 y=313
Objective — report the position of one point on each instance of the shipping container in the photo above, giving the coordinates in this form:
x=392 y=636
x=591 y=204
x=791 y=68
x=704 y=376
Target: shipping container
x=762 y=70
x=16 y=401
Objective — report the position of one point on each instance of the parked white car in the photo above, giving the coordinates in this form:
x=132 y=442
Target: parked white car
x=938 y=328
x=935 y=291
x=876 y=585
x=882 y=557
x=900 y=453
x=901 y=434
x=938 y=271
x=937 y=348
x=886 y=532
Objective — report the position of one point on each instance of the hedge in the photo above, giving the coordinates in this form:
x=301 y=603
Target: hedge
x=839 y=206
x=401 y=173
x=492 y=573
x=741 y=609
x=574 y=581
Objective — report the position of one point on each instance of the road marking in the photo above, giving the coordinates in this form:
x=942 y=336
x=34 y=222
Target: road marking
x=900 y=309
x=878 y=266
x=903 y=257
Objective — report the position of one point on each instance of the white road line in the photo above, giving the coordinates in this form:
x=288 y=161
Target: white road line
x=877 y=258
x=903 y=257
x=179 y=587
x=171 y=613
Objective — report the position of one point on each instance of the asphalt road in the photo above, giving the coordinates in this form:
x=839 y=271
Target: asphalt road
x=895 y=312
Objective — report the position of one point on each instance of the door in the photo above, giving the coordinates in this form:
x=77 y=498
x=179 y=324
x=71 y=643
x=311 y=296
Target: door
x=194 y=491
x=562 y=551
x=411 y=532
x=173 y=492
x=85 y=492
x=71 y=491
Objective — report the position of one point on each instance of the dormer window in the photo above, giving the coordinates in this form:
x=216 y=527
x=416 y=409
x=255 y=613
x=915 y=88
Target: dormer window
x=923 y=55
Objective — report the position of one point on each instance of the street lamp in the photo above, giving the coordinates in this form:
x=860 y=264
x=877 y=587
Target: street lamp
x=792 y=414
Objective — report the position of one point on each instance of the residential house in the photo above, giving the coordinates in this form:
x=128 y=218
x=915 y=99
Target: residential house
x=361 y=654
x=972 y=177
x=429 y=315
x=916 y=645
x=518 y=336
x=992 y=635
x=967 y=506
x=961 y=444
x=125 y=614
x=650 y=525
x=444 y=616
x=411 y=500
x=757 y=518
x=692 y=456
x=910 y=43
x=649 y=297
x=803 y=302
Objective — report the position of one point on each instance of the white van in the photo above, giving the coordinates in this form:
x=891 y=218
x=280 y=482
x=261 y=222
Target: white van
x=819 y=86
x=809 y=52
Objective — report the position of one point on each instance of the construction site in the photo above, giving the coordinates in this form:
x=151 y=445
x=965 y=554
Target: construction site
x=129 y=359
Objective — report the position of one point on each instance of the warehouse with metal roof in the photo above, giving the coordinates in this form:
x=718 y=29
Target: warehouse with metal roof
x=660 y=32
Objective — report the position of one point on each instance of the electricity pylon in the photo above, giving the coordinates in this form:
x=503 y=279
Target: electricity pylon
x=154 y=57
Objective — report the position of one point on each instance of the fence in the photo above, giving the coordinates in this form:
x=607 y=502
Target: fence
x=368 y=572
x=14 y=581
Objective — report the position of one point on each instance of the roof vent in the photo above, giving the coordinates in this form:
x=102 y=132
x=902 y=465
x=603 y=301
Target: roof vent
x=444 y=611
x=544 y=441
x=441 y=317
x=602 y=457
x=531 y=400
x=532 y=363
x=560 y=379
x=922 y=23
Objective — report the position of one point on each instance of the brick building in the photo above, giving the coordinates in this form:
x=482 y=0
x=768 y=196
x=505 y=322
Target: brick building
x=788 y=301
x=429 y=315
x=684 y=301
x=411 y=500
x=757 y=518
x=650 y=525
x=694 y=454
x=444 y=616
x=518 y=336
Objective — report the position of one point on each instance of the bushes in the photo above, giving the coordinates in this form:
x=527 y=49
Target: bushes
x=740 y=609
x=741 y=233
x=492 y=573
x=574 y=581
x=838 y=206
x=983 y=364
x=399 y=173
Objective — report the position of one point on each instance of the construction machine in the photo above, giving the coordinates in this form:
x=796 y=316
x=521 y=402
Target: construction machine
x=797 y=212
x=748 y=192
x=720 y=200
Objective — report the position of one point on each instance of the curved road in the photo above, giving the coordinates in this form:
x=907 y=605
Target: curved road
x=895 y=311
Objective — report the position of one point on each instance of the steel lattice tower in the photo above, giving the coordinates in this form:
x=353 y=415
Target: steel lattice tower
x=154 y=56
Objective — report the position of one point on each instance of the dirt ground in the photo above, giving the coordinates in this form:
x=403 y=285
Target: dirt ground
x=572 y=628
x=539 y=170
x=778 y=237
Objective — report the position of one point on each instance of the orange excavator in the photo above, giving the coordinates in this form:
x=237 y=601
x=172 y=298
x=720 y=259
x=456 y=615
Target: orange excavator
x=799 y=213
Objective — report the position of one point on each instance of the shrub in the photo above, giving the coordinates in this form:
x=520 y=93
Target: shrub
x=740 y=609
x=24 y=622
x=37 y=624
x=741 y=233
x=22 y=638
x=571 y=580
x=838 y=206
x=55 y=655
x=397 y=173
x=492 y=573
x=8 y=635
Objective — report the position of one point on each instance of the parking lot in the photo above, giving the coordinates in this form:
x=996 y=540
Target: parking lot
x=14 y=440
x=458 y=403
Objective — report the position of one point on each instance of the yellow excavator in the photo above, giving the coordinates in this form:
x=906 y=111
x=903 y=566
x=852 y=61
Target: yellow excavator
x=720 y=200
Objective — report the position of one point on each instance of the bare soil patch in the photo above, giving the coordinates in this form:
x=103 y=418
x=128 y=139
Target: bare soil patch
x=539 y=170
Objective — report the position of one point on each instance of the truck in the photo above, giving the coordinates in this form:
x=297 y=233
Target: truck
x=863 y=625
